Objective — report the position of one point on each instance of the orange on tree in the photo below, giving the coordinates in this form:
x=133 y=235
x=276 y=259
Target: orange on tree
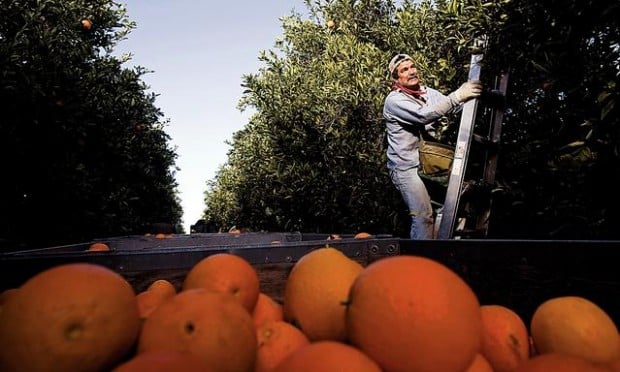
x=212 y=325
x=87 y=24
x=226 y=273
x=327 y=356
x=163 y=361
x=505 y=339
x=316 y=292
x=276 y=340
x=413 y=313
x=266 y=309
x=71 y=317
x=576 y=326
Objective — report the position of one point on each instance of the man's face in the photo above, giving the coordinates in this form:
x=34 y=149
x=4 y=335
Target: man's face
x=408 y=74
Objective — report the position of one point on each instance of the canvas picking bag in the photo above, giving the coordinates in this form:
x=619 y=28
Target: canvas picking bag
x=435 y=160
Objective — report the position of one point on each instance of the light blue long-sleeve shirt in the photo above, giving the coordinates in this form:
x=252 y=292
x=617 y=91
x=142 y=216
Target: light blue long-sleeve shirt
x=405 y=116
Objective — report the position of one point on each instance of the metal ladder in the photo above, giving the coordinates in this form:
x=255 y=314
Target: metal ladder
x=446 y=224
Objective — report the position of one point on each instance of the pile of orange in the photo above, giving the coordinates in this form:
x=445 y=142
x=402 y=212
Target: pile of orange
x=401 y=313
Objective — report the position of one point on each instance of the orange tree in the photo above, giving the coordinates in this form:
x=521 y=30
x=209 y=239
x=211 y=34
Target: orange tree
x=312 y=156
x=82 y=144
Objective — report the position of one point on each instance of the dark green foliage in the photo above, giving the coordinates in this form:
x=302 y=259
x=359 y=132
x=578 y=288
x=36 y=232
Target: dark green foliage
x=561 y=136
x=83 y=147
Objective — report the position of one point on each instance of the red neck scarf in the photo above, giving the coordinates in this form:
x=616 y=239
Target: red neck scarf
x=415 y=93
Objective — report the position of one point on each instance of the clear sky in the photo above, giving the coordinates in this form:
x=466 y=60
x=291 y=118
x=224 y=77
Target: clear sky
x=198 y=52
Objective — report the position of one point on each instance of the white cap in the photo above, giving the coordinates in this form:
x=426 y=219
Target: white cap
x=397 y=60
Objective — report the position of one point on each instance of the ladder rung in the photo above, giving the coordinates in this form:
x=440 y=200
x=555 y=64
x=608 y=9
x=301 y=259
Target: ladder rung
x=494 y=97
x=486 y=141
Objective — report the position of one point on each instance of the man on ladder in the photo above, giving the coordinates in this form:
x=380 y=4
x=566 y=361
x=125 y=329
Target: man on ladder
x=446 y=222
x=409 y=110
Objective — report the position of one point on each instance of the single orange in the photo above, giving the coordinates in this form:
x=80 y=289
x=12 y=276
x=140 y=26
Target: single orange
x=87 y=24
x=214 y=326
x=276 y=339
x=479 y=364
x=98 y=247
x=5 y=297
x=7 y=294
x=158 y=291
x=575 y=326
x=226 y=273
x=316 y=293
x=160 y=236
x=552 y=362
x=362 y=235
x=328 y=356
x=266 y=309
x=147 y=302
x=614 y=366
x=163 y=361
x=505 y=339
x=71 y=317
x=164 y=287
x=415 y=313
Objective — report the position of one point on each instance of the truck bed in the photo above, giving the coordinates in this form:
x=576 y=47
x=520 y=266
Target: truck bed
x=519 y=274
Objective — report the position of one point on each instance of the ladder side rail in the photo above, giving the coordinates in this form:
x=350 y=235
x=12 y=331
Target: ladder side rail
x=495 y=133
x=447 y=217
x=490 y=166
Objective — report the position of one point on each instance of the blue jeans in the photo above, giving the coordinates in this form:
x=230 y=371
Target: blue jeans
x=415 y=195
